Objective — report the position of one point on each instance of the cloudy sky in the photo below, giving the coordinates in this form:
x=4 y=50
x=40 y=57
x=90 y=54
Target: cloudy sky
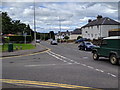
x=50 y=16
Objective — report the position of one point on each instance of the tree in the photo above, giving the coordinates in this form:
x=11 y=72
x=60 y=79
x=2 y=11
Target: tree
x=6 y=23
x=79 y=37
x=66 y=37
x=52 y=35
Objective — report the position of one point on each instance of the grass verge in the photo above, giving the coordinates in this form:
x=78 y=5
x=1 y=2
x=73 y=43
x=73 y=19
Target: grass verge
x=19 y=46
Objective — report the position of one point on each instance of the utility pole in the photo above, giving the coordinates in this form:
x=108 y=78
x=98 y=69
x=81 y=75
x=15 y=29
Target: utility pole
x=60 y=28
x=34 y=26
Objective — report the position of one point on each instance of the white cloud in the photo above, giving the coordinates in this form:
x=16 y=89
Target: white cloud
x=69 y=14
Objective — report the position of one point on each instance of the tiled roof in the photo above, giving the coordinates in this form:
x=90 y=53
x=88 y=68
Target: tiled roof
x=102 y=21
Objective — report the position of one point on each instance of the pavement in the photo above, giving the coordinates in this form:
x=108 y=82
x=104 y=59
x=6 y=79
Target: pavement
x=39 y=48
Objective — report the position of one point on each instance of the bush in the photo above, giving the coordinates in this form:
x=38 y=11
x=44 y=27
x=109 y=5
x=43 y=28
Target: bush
x=79 y=37
x=20 y=39
x=66 y=37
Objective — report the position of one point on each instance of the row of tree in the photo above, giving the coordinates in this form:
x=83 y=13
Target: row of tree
x=16 y=27
x=10 y=26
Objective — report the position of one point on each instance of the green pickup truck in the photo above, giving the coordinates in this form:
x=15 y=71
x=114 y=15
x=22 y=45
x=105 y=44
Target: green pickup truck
x=109 y=48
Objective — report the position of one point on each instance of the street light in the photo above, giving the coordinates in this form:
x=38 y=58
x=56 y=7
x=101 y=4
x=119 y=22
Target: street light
x=60 y=28
x=34 y=26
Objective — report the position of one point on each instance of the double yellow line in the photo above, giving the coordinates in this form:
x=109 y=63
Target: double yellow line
x=45 y=84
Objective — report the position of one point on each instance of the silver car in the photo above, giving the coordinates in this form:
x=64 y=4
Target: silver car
x=54 y=42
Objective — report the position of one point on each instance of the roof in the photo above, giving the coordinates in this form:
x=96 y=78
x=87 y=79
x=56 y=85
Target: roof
x=113 y=37
x=102 y=21
x=76 y=31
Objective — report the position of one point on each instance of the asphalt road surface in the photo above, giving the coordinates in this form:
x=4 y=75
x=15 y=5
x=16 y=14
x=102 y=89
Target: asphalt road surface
x=62 y=66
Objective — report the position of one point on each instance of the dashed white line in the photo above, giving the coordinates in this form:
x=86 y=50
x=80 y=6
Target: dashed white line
x=90 y=67
x=74 y=62
x=99 y=70
x=84 y=64
x=112 y=75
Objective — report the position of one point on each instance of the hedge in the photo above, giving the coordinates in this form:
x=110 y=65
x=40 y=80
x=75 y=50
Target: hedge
x=20 y=39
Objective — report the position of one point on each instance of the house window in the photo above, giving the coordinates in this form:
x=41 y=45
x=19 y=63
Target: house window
x=86 y=32
x=91 y=35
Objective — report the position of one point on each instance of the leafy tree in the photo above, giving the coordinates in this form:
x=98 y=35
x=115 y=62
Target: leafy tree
x=6 y=23
x=66 y=37
x=52 y=35
x=79 y=37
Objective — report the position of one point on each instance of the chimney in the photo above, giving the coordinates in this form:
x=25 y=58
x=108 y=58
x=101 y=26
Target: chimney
x=89 y=20
x=99 y=16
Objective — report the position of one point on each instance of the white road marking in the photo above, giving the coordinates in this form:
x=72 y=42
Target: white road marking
x=39 y=65
x=60 y=57
x=85 y=57
x=84 y=64
x=99 y=70
x=112 y=75
x=90 y=67
x=54 y=56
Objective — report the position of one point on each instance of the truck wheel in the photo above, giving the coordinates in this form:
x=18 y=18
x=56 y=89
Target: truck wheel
x=113 y=59
x=95 y=56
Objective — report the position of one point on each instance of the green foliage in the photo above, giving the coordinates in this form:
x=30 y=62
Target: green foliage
x=20 y=39
x=52 y=35
x=66 y=37
x=6 y=23
x=10 y=26
x=43 y=36
x=79 y=37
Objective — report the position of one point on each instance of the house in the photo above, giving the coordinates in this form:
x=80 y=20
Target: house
x=99 y=27
x=74 y=34
x=61 y=35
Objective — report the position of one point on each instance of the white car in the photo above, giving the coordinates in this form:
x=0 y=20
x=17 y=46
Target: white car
x=53 y=42
x=37 y=41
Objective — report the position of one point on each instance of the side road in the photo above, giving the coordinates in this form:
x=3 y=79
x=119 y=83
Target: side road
x=39 y=48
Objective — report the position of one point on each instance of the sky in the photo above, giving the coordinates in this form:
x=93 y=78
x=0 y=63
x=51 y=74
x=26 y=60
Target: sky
x=56 y=16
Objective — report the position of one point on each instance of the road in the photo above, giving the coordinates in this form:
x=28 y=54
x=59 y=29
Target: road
x=64 y=65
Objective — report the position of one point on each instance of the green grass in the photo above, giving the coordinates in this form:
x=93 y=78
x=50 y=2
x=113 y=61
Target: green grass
x=24 y=47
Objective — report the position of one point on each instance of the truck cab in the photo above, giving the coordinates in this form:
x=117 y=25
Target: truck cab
x=109 y=48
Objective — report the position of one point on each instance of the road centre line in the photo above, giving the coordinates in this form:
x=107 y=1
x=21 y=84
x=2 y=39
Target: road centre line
x=45 y=84
x=62 y=57
x=74 y=62
x=112 y=75
x=55 y=56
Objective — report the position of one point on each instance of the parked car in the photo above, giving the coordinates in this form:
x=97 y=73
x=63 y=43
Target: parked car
x=85 y=45
x=54 y=42
x=37 y=41
x=81 y=40
x=110 y=48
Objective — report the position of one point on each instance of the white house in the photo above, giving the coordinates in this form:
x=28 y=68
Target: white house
x=99 y=27
x=74 y=34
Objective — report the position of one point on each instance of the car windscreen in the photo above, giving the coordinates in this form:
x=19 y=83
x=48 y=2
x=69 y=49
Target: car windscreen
x=88 y=43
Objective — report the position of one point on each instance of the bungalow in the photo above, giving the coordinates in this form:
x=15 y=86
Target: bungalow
x=99 y=27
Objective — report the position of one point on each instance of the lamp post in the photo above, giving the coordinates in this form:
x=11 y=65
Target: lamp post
x=60 y=28
x=34 y=26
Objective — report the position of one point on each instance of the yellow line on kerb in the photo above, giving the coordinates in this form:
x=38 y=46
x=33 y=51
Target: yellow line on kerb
x=47 y=84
